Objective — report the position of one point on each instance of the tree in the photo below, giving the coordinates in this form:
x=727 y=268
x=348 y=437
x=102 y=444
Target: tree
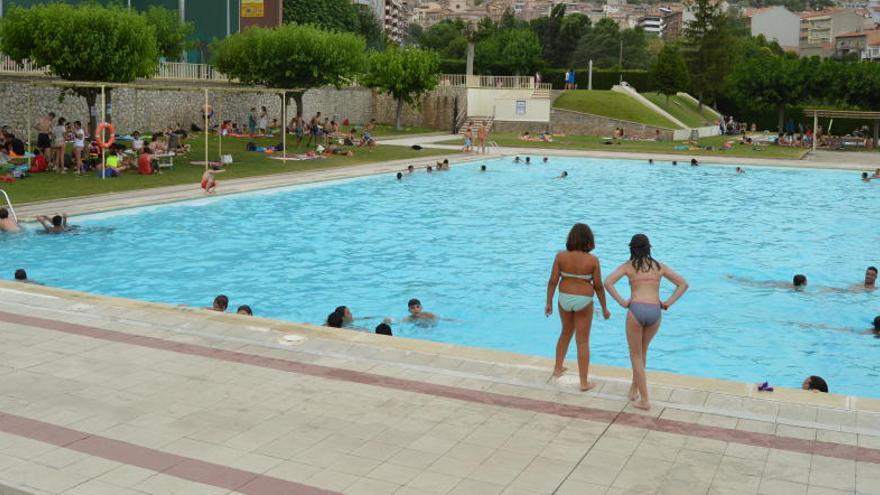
x=447 y=38
x=670 y=72
x=171 y=33
x=291 y=57
x=89 y=42
x=333 y=15
x=509 y=51
x=707 y=41
x=601 y=45
x=404 y=73
x=769 y=80
x=368 y=27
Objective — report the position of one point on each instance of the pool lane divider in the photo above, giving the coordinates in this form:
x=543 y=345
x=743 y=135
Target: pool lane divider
x=827 y=449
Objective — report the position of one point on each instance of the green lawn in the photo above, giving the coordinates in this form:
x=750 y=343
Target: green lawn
x=596 y=143
x=48 y=186
x=682 y=109
x=611 y=104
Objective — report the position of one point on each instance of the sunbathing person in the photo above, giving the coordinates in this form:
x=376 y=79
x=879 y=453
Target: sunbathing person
x=332 y=149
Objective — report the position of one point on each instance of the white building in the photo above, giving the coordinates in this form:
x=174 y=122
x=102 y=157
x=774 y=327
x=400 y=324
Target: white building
x=391 y=16
x=776 y=24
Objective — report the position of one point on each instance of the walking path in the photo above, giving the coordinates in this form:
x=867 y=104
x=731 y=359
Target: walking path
x=104 y=395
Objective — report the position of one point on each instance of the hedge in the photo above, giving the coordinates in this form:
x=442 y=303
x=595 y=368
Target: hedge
x=602 y=78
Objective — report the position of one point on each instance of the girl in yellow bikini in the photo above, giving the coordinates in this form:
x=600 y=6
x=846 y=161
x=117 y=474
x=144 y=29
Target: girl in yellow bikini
x=579 y=278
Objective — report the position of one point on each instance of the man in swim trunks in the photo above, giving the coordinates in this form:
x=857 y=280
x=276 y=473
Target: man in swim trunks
x=416 y=313
x=54 y=225
x=7 y=224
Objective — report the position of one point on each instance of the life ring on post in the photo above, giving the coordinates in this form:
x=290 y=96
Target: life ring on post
x=99 y=134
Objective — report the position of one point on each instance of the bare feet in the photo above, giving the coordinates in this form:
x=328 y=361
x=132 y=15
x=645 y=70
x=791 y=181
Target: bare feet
x=588 y=386
x=633 y=393
x=642 y=404
x=559 y=372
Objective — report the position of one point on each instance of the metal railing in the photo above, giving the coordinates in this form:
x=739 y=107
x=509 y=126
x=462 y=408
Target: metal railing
x=498 y=82
x=167 y=70
x=9 y=203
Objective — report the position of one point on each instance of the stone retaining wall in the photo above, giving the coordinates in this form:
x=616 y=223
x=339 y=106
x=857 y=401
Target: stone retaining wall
x=145 y=109
x=585 y=124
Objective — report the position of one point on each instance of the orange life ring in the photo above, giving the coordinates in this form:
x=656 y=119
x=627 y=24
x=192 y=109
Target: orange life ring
x=99 y=134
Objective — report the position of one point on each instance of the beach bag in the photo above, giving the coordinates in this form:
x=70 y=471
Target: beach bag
x=226 y=160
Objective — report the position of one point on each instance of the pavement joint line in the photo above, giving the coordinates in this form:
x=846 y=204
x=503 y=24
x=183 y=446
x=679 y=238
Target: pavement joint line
x=650 y=423
x=178 y=466
x=493 y=379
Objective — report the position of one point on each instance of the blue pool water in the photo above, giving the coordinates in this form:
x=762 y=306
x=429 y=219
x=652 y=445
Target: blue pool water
x=477 y=248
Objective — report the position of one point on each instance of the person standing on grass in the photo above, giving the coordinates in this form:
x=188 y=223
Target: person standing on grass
x=44 y=129
x=79 y=144
x=58 y=133
x=645 y=306
x=314 y=128
x=579 y=277
x=263 y=122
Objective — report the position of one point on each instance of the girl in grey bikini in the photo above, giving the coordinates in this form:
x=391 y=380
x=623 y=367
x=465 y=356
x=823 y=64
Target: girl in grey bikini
x=643 y=319
x=581 y=278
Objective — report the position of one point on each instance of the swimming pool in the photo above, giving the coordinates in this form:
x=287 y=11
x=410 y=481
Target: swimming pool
x=477 y=247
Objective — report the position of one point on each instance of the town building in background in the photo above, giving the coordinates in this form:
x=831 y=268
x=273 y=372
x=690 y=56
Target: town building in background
x=776 y=24
x=393 y=16
x=864 y=45
x=819 y=29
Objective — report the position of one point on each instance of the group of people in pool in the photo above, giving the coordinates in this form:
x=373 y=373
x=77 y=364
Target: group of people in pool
x=576 y=272
x=221 y=304
x=869 y=178
x=55 y=224
x=341 y=317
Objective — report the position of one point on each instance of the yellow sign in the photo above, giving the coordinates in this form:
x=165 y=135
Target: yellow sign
x=252 y=8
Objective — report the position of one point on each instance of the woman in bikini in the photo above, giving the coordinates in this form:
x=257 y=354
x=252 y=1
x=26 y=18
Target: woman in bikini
x=581 y=278
x=644 y=304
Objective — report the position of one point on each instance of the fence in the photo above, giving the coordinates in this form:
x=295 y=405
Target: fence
x=167 y=70
x=499 y=82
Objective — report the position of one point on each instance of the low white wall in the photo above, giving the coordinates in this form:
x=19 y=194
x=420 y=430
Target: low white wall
x=513 y=105
x=697 y=102
x=682 y=134
x=628 y=90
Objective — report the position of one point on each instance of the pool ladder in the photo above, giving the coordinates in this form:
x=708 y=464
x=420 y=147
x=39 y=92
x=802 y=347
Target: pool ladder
x=9 y=202
x=493 y=147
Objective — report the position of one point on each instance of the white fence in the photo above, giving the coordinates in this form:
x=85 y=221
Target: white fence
x=496 y=82
x=174 y=71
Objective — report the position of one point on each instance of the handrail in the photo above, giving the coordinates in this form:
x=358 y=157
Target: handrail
x=9 y=202
x=166 y=70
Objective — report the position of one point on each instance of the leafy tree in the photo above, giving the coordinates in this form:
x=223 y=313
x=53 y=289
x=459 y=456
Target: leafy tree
x=510 y=51
x=89 y=42
x=414 y=33
x=447 y=38
x=333 y=15
x=368 y=27
x=509 y=21
x=550 y=36
x=707 y=41
x=171 y=32
x=602 y=43
x=769 y=80
x=404 y=73
x=670 y=71
x=291 y=57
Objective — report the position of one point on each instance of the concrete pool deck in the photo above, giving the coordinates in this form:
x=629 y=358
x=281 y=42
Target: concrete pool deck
x=104 y=395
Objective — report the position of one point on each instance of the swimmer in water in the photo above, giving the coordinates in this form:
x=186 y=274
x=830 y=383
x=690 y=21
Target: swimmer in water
x=876 y=174
x=221 y=302
x=482 y=168
x=416 y=313
x=740 y=170
x=7 y=224
x=383 y=329
x=399 y=176
x=865 y=177
x=21 y=276
x=410 y=169
x=546 y=159
x=876 y=328
x=429 y=169
x=645 y=308
x=244 y=309
x=650 y=161
x=815 y=383
x=798 y=282
x=528 y=160
x=55 y=225
x=563 y=175
x=674 y=163
x=516 y=160
x=694 y=162
x=334 y=320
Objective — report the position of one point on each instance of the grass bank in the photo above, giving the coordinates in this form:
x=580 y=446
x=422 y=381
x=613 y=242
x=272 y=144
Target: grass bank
x=613 y=105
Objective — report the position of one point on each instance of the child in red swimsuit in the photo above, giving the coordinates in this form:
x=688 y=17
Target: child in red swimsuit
x=209 y=181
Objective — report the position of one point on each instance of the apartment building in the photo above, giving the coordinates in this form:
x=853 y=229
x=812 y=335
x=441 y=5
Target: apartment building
x=776 y=24
x=863 y=44
x=818 y=30
x=391 y=14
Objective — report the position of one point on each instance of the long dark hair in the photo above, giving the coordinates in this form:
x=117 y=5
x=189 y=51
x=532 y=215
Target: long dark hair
x=640 y=254
x=580 y=238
